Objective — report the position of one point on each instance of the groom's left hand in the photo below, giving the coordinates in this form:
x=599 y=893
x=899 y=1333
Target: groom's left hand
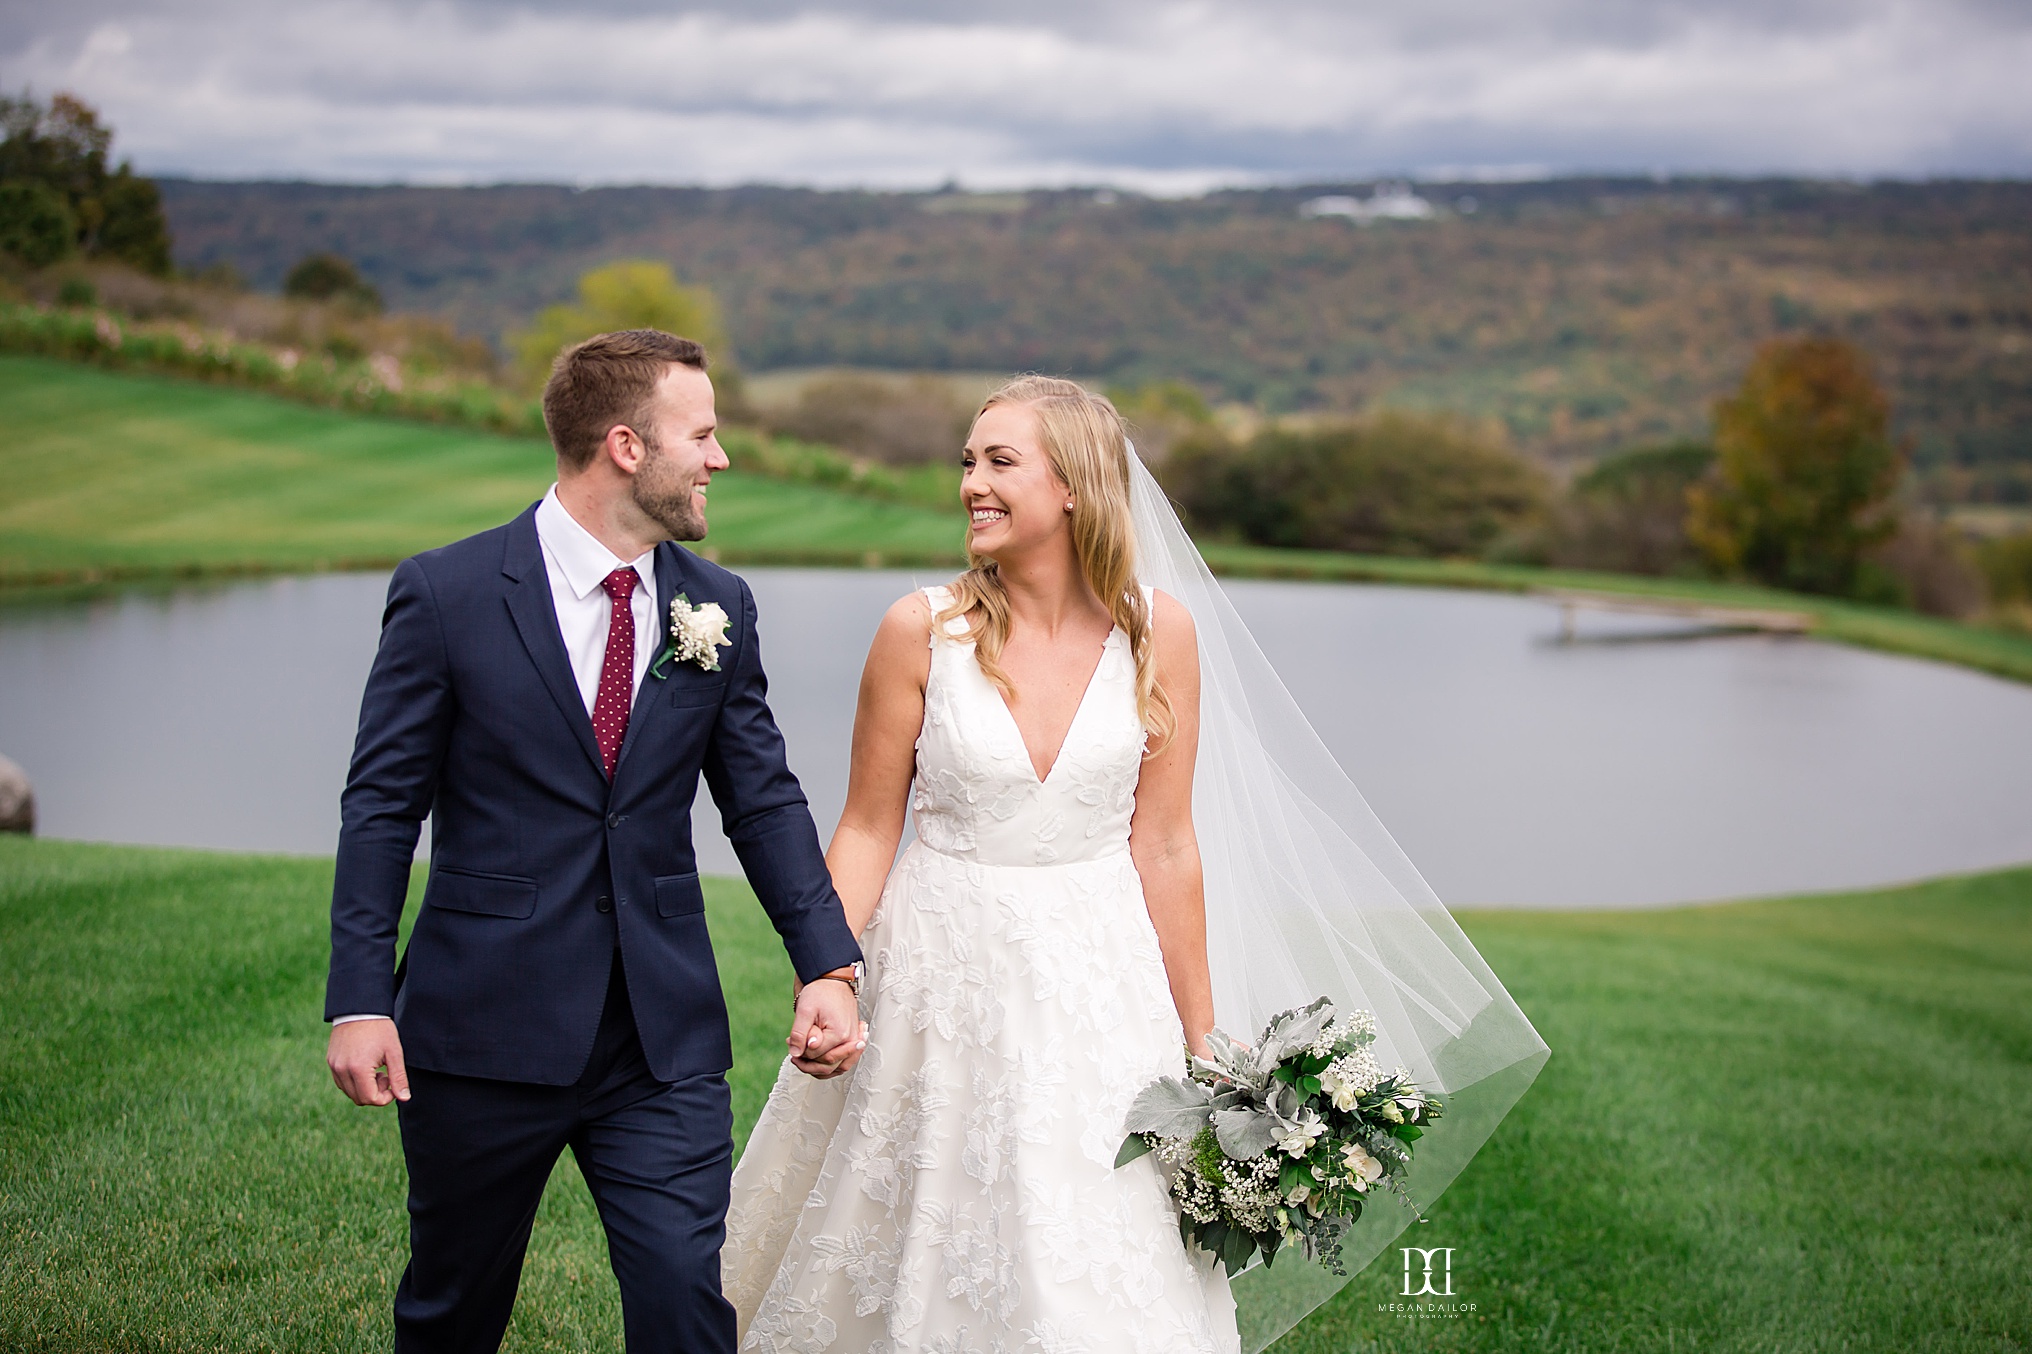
x=827 y=1036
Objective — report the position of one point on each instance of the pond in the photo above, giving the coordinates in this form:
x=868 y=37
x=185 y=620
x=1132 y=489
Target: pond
x=1634 y=766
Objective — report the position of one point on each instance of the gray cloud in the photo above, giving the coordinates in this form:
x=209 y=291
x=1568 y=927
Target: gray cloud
x=1167 y=97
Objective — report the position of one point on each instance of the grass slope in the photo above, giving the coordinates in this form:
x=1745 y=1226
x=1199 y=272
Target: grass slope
x=138 y=475
x=1797 y=1125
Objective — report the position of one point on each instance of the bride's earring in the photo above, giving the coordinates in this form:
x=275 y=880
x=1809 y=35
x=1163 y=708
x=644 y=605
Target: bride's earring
x=1068 y=505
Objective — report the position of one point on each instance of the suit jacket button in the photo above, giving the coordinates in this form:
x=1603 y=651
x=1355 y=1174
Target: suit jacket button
x=613 y=820
x=603 y=904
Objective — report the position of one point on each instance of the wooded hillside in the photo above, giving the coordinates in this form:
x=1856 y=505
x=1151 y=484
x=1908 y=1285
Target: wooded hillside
x=1584 y=314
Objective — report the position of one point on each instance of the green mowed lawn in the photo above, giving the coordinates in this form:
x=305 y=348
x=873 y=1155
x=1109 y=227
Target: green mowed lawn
x=1792 y=1125
x=131 y=473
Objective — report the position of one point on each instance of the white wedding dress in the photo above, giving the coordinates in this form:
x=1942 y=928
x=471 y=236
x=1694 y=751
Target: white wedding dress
x=957 y=1191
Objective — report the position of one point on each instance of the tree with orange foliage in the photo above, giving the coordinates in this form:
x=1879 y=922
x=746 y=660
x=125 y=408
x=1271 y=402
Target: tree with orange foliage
x=1804 y=472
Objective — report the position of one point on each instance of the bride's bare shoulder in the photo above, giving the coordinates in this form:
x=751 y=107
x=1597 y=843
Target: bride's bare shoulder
x=903 y=639
x=1170 y=622
x=1173 y=641
x=910 y=614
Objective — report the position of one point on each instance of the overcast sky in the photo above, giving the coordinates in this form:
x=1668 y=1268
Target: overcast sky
x=1138 y=93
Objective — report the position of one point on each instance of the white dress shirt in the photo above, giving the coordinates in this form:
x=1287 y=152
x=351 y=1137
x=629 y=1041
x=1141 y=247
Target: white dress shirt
x=578 y=564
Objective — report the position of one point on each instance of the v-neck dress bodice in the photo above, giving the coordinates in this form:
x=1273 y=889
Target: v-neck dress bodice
x=976 y=795
x=957 y=1192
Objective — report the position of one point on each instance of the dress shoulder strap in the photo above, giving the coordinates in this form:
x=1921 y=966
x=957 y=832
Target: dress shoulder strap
x=941 y=596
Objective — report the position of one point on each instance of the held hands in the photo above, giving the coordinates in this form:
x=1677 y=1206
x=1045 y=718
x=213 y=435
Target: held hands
x=828 y=1034
x=366 y=1061
x=827 y=1038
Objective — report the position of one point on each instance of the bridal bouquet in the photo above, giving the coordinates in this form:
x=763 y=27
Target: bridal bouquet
x=1281 y=1144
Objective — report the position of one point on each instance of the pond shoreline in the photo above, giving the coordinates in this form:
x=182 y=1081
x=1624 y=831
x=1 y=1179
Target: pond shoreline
x=2000 y=653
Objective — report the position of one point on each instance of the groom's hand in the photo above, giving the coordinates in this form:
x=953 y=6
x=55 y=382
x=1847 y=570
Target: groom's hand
x=827 y=1037
x=366 y=1061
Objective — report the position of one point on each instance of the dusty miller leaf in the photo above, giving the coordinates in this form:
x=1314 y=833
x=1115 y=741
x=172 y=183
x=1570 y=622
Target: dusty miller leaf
x=1295 y=1030
x=1244 y=1134
x=1170 y=1108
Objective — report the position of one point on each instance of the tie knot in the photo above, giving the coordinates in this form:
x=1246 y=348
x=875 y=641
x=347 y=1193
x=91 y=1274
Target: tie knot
x=620 y=584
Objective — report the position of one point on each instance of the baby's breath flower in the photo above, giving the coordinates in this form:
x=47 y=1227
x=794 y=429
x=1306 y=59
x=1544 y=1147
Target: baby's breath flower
x=1354 y=1028
x=1349 y=1077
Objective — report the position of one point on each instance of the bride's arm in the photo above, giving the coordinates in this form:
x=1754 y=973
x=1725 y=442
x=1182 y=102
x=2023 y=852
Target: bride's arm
x=1161 y=838
x=886 y=725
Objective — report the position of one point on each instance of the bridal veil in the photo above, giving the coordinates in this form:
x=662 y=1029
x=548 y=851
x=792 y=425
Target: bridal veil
x=1307 y=896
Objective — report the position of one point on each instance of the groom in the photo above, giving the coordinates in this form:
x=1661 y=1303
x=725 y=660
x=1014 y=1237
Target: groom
x=558 y=989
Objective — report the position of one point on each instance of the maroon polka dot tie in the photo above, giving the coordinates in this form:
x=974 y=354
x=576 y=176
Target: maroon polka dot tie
x=617 y=671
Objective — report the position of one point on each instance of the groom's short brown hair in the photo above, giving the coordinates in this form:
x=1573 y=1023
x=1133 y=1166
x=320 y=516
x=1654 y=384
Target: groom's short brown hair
x=608 y=379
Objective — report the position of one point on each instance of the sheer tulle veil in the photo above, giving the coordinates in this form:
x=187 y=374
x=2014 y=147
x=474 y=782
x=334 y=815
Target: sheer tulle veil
x=1306 y=896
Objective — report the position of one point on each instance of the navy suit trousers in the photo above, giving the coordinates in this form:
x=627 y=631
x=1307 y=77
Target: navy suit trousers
x=657 y=1156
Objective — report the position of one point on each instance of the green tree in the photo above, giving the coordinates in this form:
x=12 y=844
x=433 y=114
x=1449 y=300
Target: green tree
x=1395 y=483
x=133 y=229
x=330 y=277
x=1161 y=414
x=115 y=214
x=1804 y=470
x=631 y=294
x=1627 y=512
x=36 y=225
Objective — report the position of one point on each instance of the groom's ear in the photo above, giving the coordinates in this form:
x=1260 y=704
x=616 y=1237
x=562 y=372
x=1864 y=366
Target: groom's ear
x=622 y=448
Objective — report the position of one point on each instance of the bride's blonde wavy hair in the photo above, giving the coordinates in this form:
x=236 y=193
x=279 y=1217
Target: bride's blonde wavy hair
x=1088 y=447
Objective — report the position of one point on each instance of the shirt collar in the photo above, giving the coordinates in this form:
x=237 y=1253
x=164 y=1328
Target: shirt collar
x=578 y=553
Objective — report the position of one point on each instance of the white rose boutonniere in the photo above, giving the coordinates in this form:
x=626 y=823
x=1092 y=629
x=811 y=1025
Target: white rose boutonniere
x=696 y=635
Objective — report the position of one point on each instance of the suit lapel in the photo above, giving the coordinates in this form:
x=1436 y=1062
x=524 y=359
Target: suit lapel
x=529 y=602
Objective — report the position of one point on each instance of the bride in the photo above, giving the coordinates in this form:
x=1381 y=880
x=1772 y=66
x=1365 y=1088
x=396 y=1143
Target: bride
x=1127 y=834
x=1035 y=958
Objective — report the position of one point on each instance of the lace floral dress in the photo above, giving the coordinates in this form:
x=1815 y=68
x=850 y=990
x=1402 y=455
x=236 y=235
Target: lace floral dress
x=957 y=1192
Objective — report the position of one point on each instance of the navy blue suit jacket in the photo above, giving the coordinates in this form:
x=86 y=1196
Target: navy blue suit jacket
x=539 y=865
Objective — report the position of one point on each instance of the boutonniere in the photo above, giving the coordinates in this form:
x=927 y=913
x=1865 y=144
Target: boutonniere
x=696 y=632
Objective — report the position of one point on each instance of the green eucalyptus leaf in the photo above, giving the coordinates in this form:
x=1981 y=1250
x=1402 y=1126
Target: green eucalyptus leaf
x=1133 y=1146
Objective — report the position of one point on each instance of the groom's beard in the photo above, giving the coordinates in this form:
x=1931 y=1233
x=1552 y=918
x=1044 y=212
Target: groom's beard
x=666 y=496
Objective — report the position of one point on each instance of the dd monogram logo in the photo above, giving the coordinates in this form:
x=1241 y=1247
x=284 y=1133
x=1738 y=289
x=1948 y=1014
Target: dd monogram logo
x=1426 y=1272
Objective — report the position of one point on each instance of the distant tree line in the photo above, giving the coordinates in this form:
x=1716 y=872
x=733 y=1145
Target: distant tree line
x=59 y=198
x=1588 y=316
x=1799 y=489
